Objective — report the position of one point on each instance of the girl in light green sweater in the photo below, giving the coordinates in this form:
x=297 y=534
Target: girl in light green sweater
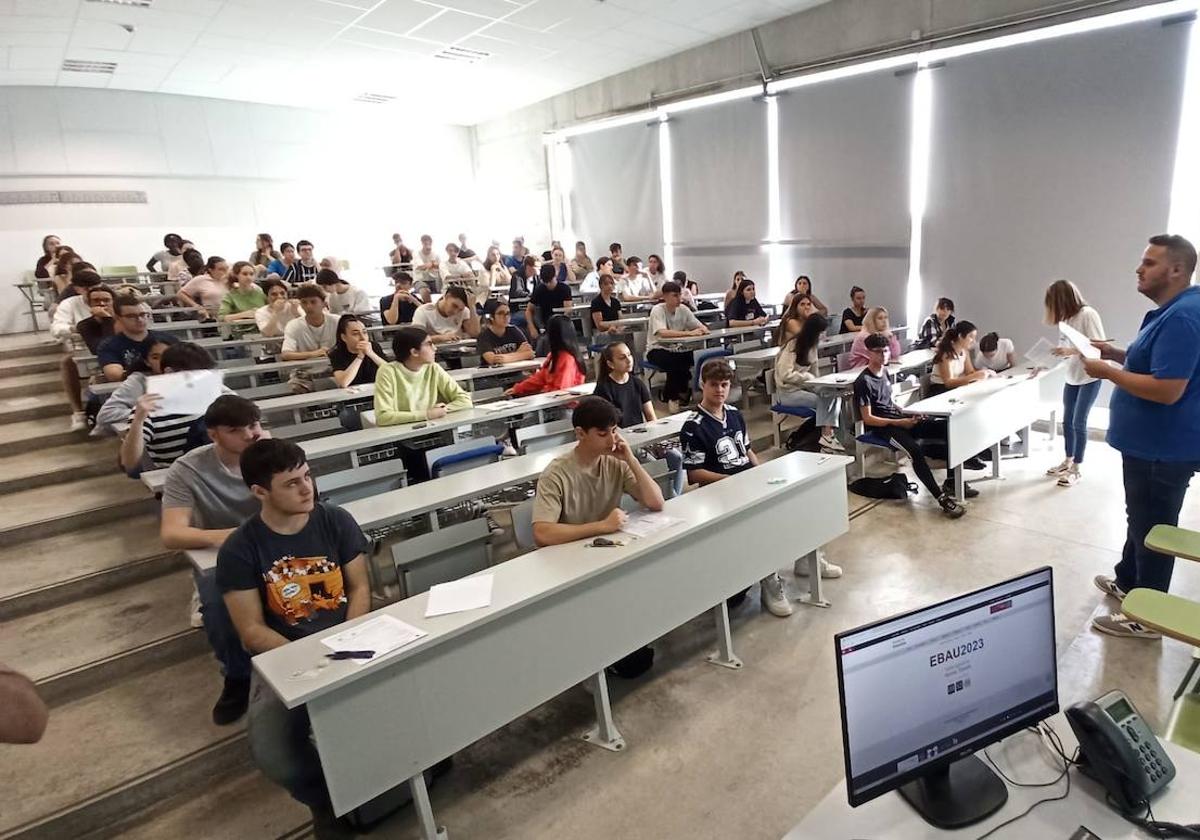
x=415 y=387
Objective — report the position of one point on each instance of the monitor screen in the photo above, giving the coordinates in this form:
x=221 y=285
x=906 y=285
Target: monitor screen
x=924 y=688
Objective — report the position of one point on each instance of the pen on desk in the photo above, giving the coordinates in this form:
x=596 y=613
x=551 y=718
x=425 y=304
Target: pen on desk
x=822 y=459
x=351 y=654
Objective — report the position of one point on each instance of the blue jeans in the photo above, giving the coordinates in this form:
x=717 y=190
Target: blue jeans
x=1154 y=492
x=283 y=749
x=827 y=407
x=218 y=626
x=1077 y=404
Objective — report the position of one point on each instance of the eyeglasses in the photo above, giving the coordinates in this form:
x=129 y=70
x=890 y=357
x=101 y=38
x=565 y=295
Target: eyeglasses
x=141 y=316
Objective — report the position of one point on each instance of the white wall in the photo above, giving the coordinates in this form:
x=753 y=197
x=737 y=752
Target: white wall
x=219 y=172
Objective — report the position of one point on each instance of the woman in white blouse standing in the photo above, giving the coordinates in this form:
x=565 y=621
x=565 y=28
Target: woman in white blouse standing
x=1065 y=304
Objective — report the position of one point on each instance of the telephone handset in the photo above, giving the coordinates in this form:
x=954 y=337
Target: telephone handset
x=1118 y=750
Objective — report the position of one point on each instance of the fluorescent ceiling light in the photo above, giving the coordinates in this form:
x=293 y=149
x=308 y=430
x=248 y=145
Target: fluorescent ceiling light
x=712 y=99
x=842 y=72
x=600 y=125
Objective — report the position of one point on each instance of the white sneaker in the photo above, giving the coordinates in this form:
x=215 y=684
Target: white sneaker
x=672 y=406
x=1069 y=478
x=774 y=596
x=195 y=618
x=78 y=421
x=831 y=443
x=828 y=570
x=1062 y=468
x=508 y=452
x=1119 y=624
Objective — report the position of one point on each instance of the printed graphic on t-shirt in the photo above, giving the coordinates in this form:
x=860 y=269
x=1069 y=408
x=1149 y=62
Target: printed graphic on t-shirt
x=299 y=588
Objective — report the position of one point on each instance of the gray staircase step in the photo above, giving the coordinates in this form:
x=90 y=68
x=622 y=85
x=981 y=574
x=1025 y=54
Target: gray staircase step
x=37 y=577
x=119 y=751
x=22 y=365
x=76 y=648
x=30 y=383
x=31 y=435
x=34 y=407
x=47 y=511
x=29 y=344
x=58 y=464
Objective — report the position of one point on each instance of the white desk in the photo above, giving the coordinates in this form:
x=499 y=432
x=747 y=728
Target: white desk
x=551 y=624
x=247 y=371
x=715 y=337
x=353 y=442
x=1022 y=759
x=980 y=415
x=202 y=559
x=844 y=380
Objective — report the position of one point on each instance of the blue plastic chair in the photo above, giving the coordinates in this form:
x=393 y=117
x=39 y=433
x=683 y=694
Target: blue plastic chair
x=779 y=411
x=458 y=461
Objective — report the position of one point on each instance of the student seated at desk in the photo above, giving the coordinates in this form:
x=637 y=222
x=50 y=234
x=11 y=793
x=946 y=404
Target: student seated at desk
x=273 y=317
x=952 y=366
x=401 y=305
x=101 y=323
x=995 y=353
x=550 y=294
x=415 y=387
x=70 y=316
x=875 y=322
x=125 y=352
x=114 y=413
x=690 y=288
x=243 y=300
x=716 y=446
x=795 y=365
x=745 y=310
x=794 y=316
x=295 y=568
x=671 y=319
x=616 y=383
x=155 y=441
x=203 y=500
x=355 y=358
x=605 y=308
x=564 y=366
x=205 y=291
x=499 y=342
x=731 y=292
x=879 y=413
x=635 y=286
x=935 y=326
x=341 y=297
x=452 y=318
x=579 y=494
x=803 y=286
x=852 y=315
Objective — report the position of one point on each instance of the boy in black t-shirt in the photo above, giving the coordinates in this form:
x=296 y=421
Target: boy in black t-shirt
x=547 y=296
x=500 y=342
x=716 y=446
x=401 y=305
x=121 y=354
x=294 y=569
x=880 y=414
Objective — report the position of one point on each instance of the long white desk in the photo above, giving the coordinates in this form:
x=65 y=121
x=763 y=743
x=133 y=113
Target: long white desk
x=558 y=615
x=1023 y=759
x=248 y=371
x=353 y=442
x=715 y=337
x=980 y=415
x=844 y=380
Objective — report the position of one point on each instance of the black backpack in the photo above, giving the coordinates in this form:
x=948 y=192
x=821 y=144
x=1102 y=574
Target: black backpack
x=895 y=486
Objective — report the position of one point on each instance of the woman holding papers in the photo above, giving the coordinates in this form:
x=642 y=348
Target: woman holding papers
x=415 y=387
x=1065 y=305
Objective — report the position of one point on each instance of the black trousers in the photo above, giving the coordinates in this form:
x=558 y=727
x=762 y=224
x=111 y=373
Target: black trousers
x=678 y=367
x=933 y=432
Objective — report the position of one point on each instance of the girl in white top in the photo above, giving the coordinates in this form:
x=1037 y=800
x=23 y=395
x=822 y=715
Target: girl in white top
x=796 y=365
x=952 y=366
x=272 y=318
x=1065 y=304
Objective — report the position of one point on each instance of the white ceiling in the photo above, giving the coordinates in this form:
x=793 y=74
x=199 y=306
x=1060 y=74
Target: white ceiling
x=323 y=53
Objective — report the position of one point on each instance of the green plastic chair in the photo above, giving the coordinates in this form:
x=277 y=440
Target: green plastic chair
x=1176 y=541
x=122 y=271
x=1177 y=618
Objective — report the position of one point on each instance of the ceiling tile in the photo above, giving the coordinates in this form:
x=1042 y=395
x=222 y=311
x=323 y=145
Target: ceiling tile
x=448 y=27
x=34 y=58
x=384 y=41
x=514 y=52
x=542 y=14
x=81 y=80
x=101 y=34
x=283 y=11
x=10 y=38
x=399 y=16
x=54 y=8
x=203 y=8
x=200 y=71
x=358 y=4
x=162 y=40
x=28 y=77
x=488 y=8
x=35 y=23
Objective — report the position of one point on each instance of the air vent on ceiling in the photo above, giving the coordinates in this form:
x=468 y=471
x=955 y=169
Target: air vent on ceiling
x=374 y=98
x=72 y=65
x=141 y=4
x=462 y=55
x=73 y=197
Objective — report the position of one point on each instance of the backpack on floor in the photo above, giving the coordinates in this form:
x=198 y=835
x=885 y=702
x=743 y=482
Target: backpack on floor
x=895 y=486
x=806 y=438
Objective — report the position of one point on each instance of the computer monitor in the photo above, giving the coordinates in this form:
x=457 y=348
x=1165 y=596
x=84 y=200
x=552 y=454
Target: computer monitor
x=922 y=691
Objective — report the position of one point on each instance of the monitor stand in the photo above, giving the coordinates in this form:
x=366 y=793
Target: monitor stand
x=960 y=793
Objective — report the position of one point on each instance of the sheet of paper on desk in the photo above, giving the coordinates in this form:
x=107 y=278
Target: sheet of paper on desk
x=503 y=404
x=1078 y=340
x=1040 y=356
x=643 y=523
x=186 y=392
x=382 y=634
x=469 y=593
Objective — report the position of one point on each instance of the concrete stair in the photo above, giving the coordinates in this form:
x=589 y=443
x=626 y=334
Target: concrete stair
x=30 y=383
x=34 y=407
x=20 y=365
x=33 y=435
x=31 y=345
x=47 y=511
x=39 y=468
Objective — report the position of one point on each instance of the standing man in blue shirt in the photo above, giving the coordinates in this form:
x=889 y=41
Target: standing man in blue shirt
x=1155 y=419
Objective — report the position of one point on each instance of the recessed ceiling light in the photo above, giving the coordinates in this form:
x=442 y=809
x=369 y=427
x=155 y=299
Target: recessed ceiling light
x=374 y=98
x=72 y=65
x=141 y=4
x=463 y=55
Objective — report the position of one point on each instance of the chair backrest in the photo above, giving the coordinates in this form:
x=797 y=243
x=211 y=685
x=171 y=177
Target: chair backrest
x=699 y=357
x=461 y=456
x=119 y=270
x=670 y=481
x=522 y=522
x=440 y=556
x=369 y=480
x=544 y=436
x=843 y=361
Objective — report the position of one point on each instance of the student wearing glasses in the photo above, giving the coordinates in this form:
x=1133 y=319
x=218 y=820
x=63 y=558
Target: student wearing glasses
x=125 y=352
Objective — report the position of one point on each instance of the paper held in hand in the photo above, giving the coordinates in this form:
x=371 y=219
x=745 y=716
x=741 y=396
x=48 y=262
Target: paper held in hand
x=1078 y=340
x=382 y=634
x=186 y=392
x=1040 y=356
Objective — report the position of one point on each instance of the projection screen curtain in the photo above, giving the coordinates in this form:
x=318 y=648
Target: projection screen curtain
x=615 y=193
x=843 y=173
x=1052 y=159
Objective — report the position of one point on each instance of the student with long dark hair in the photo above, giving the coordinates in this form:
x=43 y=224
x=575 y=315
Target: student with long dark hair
x=745 y=310
x=797 y=312
x=952 y=365
x=852 y=315
x=49 y=246
x=264 y=252
x=355 y=358
x=1065 y=304
x=617 y=384
x=415 y=387
x=803 y=286
x=795 y=365
x=564 y=366
x=242 y=301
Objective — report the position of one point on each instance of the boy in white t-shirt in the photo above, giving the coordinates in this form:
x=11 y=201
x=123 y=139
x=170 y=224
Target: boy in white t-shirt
x=995 y=353
x=450 y=319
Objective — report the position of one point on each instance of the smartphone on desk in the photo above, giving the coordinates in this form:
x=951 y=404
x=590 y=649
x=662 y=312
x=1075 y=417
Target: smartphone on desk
x=1117 y=749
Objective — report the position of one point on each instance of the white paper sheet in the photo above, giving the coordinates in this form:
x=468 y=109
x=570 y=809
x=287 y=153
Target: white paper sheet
x=503 y=404
x=469 y=593
x=186 y=392
x=382 y=634
x=1078 y=340
x=643 y=523
x=1040 y=356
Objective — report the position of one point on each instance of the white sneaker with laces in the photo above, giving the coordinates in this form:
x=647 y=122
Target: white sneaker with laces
x=831 y=443
x=828 y=570
x=774 y=596
x=1070 y=478
x=1119 y=624
x=1061 y=468
x=78 y=421
x=1109 y=587
x=195 y=617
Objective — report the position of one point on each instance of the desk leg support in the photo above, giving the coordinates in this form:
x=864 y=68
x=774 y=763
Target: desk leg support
x=996 y=460
x=1053 y=424
x=420 y=797
x=1026 y=433
x=604 y=734
x=725 y=657
x=959 y=484
x=816 y=595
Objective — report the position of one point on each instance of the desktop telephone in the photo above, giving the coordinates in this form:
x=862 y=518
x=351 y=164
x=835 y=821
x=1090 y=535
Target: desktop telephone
x=1118 y=750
